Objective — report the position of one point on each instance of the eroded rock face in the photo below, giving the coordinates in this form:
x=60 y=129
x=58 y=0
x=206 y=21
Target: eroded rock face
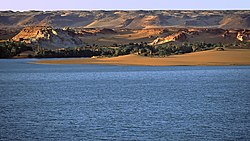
x=47 y=37
x=240 y=35
x=243 y=36
x=206 y=35
x=179 y=36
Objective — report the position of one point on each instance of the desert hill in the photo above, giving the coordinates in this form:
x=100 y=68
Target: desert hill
x=47 y=37
x=128 y=19
x=205 y=35
x=52 y=38
x=106 y=28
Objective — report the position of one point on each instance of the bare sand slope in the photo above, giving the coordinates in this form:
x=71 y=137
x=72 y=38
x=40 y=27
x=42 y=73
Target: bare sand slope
x=204 y=58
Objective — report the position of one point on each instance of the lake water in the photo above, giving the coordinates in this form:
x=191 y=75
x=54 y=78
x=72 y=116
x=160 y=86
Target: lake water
x=94 y=102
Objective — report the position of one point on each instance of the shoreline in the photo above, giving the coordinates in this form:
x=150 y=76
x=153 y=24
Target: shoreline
x=229 y=57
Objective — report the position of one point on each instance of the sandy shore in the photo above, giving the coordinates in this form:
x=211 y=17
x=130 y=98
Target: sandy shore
x=204 y=58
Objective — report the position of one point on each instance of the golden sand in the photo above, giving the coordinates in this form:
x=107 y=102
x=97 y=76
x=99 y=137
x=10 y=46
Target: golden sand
x=203 y=58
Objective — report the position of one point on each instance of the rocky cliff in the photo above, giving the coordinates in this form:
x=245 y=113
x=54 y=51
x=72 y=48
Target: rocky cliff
x=207 y=35
x=47 y=37
x=179 y=36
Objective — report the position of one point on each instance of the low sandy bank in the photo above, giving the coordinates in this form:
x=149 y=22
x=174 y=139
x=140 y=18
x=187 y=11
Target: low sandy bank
x=204 y=58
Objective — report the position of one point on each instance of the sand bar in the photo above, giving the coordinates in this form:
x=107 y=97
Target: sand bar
x=204 y=58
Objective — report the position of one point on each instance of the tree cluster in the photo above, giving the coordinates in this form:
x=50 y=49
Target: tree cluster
x=10 y=49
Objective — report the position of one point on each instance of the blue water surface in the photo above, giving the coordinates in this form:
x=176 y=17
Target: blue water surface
x=98 y=102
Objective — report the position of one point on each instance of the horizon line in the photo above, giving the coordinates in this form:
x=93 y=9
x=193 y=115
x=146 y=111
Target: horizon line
x=28 y=10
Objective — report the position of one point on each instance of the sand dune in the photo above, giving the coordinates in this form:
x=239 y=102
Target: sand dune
x=204 y=58
x=132 y=19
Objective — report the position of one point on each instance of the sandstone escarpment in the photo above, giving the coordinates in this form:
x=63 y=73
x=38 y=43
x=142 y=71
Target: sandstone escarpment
x=47 y=37
x=179 y=36
x=240 y=35
x=243 y=36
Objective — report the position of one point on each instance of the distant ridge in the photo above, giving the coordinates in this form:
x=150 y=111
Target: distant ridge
x=227 y=19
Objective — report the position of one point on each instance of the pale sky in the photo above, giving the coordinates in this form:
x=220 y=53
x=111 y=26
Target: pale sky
x=24 y=5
